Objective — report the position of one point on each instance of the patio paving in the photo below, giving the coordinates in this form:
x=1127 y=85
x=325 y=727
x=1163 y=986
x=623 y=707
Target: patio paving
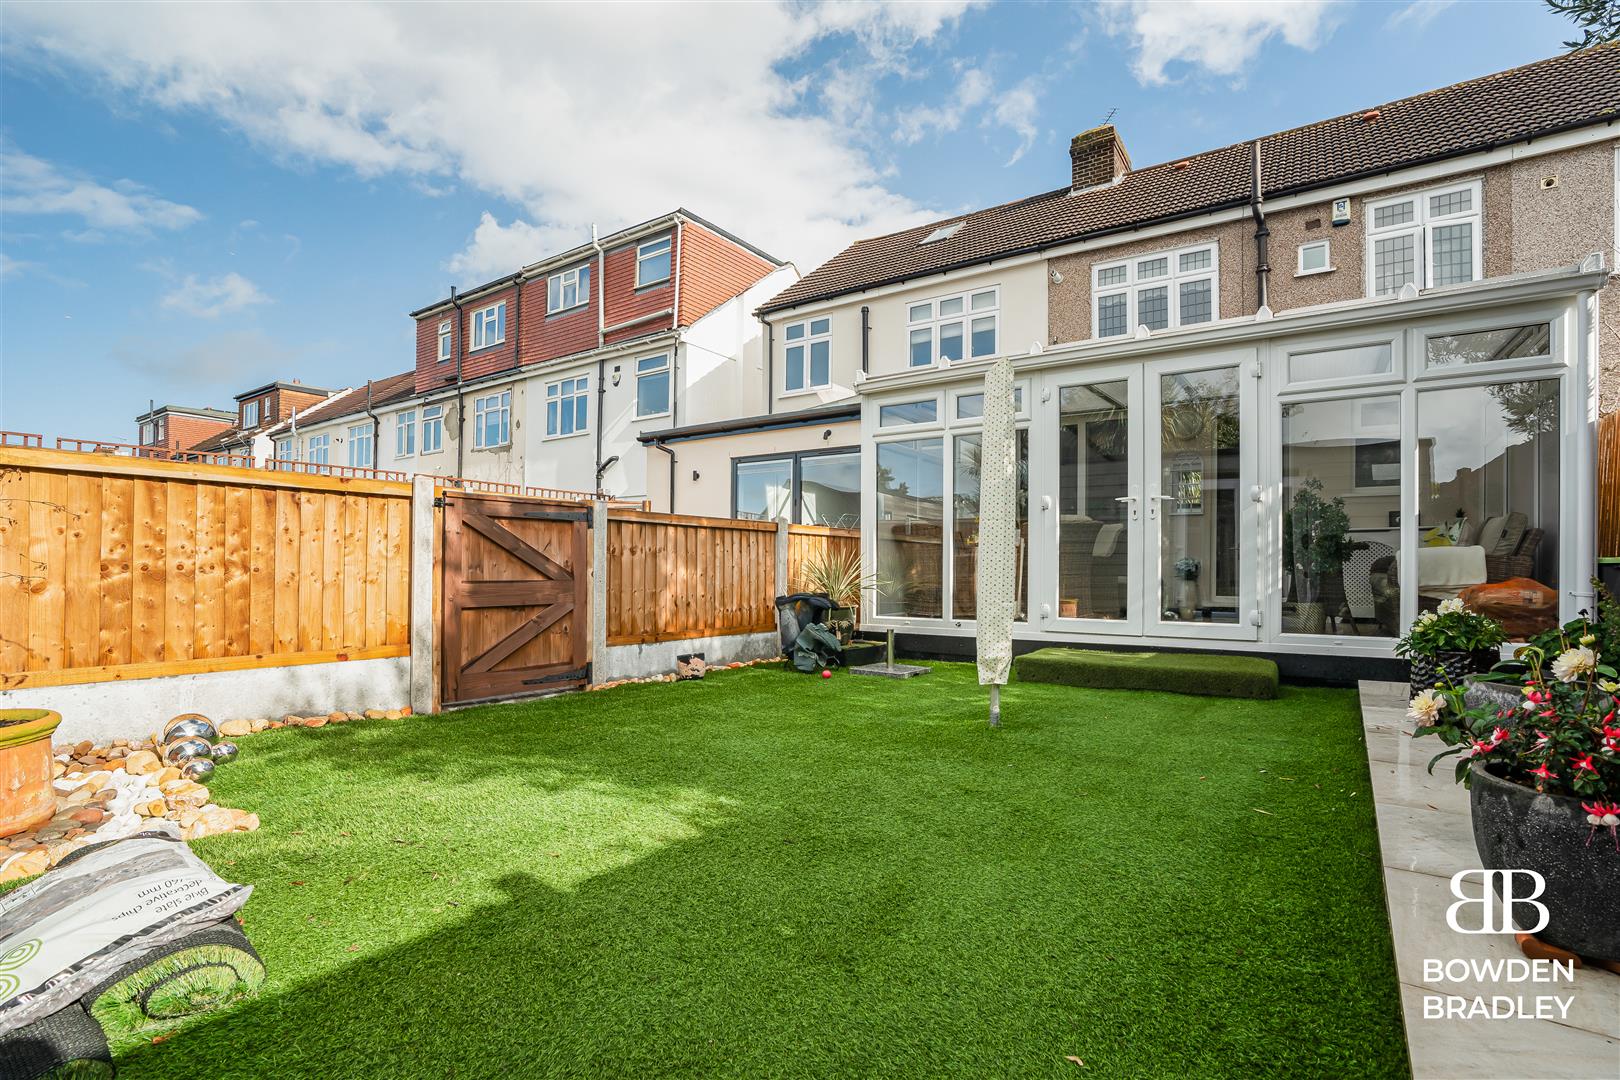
x=1425 y=834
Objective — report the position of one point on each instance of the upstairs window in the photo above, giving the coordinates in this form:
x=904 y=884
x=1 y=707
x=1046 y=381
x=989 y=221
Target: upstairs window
x=405 y=433
x=953 y=327
x=489 y=326
x=492 y=420
x=1427 y=238
x=568 y=404
x=652 y=386
x=652 y=262
x=809 y=354
x=432 y=428
x=320 y=449
x=444 y=341
x=148 y=434
x=284 y=450
x=360 y=446
x=569 y=289
x=250 y=414
x=1159 y=291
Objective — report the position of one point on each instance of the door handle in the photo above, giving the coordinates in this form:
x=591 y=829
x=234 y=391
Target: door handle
x=1128 y=499
x=1153 y=504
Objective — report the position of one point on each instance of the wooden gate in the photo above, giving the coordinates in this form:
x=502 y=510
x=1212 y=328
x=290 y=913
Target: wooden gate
x=514 y=597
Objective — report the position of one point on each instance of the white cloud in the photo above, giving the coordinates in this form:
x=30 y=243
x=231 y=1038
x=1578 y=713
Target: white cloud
x=553 y=113
x=972 y=89
x=214 y=297
x=10 y=267
x=1219 y=36
x=1418 y=14
x=1017 y=109
x=31 y=185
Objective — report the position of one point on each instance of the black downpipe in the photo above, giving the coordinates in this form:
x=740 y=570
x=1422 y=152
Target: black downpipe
x=866 y=337
x=770 y=366
x=376 y=429
x=1262 y=236
x=671 y=453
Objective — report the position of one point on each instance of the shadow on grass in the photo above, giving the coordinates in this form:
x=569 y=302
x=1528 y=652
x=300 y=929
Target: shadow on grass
x=763 y=875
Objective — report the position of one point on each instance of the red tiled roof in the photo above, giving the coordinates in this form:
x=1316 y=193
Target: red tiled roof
x=1568 y=91
x=383 y=392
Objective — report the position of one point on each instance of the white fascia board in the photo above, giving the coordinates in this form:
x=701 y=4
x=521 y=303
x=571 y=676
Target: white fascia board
x=1493 y=292
x=1400 y=177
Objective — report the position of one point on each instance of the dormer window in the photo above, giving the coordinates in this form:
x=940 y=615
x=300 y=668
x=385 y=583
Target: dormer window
x=568 y=289
x=489 y=326
x=444 y=341
x=652 y=262
x=250 y=414
x=944 y=232
x=1158 y=291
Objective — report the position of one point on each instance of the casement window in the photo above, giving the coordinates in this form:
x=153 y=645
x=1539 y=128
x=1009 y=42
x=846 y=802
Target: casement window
x=653 y=262
x=250 y=414
x=148 y=434
x=489 y=326
x=568 y=404
x=1158 y=291
x=405 y=433
x=360 y=448
x=432 y=428
x=492 y=420
x=813 y=487
x=319 y=449
x=284 y=449
x=1314 y=258
x=446 y=341
x=1427 y=238
x=569 y=289
x=808 y=355
x=652 y=386
x=951 y=328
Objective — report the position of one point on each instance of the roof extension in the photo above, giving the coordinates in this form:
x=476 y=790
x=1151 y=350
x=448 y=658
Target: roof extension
x=1569 y=91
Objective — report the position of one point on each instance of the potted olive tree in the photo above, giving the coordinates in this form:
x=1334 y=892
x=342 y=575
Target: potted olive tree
x=1449 y=644
x=1316 y=541
x=1544 y=784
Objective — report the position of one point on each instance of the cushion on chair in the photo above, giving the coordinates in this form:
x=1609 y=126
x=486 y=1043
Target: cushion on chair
x=1107 y=537
x=1490 y=532
x=1512 y=534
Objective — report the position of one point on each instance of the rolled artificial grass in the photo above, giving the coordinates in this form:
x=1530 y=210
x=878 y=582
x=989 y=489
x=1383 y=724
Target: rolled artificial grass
x=1206 y=674
x=760 y=874
x=66 y=1045
x=205 y=970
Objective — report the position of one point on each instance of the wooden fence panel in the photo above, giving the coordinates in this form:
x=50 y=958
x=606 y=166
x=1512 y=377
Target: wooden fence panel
x=671 y=577
x=1608 y=508
x=806 y=542
x=118 y=568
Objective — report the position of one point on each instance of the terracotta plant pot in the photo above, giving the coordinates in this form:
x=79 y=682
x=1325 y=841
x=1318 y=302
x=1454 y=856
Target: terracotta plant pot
x=1516 y=828
x=26 y=798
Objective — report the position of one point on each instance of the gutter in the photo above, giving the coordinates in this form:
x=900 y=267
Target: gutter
x=838 y=413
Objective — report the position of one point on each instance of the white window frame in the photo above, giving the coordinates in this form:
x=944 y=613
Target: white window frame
x=967 y=316
x=1422 y=227
x=1172 y=280
x=665 y=369
x=663 y=245
x=578 y=386
x=500 y=404
x=446 y=341
x=318 y=450
x=808 y=336
x=362 y=437
x=1327 y=266
x=405 y=433
x=250 y=415
x=908 y=426
x=558 y=284
x=432 y=420
x=486 y=320
x=284 y=448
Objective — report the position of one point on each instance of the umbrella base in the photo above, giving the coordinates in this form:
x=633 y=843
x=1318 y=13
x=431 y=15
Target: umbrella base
x=889 y=671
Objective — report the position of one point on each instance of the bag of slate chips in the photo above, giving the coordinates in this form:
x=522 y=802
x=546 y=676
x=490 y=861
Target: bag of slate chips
x=96 y=912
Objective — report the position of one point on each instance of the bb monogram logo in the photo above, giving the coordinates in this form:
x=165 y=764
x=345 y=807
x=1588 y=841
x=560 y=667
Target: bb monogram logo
x=1498 y=881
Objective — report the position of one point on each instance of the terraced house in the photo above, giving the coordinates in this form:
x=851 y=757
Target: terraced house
x=1277 y=397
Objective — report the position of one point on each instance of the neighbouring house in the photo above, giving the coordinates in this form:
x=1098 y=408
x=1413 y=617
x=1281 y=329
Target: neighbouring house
x=1277 y=397
x=357 y=428
x=180 y=427
x=259 y=412
x=547 y=376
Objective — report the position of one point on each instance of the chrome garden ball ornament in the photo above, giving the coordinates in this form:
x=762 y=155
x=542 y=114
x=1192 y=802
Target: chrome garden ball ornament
x=198 y=769
x=178 y=753
x=191 y=726
x=223 y=752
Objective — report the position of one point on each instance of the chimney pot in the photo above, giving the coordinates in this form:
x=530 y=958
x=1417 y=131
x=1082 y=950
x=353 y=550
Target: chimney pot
x=1097 y=157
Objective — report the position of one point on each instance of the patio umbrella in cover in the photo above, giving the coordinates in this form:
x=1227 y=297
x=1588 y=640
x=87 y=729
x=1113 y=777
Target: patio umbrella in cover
x=998 y=533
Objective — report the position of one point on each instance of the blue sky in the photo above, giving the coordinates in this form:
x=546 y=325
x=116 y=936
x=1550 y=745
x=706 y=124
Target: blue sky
x=197 y=199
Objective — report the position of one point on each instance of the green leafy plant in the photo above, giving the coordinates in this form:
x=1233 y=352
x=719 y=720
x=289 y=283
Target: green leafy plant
x=836 y=574
x=1605 y=628
x=1453 y=628
x=1316 y=538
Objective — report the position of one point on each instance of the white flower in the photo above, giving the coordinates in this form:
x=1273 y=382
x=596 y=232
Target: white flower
x=1573 y=664
x=1426 y=707
x=1427 y=617
x=1608 y=686
x=1454 y=605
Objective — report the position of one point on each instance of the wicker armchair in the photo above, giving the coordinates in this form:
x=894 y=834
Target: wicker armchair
x=1520 y=562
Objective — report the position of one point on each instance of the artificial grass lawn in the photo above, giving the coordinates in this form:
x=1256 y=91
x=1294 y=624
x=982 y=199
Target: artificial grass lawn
x=1209 y=674
x=770 y=874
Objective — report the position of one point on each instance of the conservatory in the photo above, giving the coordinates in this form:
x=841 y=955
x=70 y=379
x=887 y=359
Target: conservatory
x=1305 y=483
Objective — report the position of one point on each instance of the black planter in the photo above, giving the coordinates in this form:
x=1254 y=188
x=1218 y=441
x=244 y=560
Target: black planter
x=1516 y=828
x=1449 y=666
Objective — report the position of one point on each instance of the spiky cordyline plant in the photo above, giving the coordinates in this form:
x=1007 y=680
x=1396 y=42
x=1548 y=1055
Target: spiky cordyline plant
x=837 y=574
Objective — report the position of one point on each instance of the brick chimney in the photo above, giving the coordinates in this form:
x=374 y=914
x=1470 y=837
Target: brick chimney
x=1098 y=157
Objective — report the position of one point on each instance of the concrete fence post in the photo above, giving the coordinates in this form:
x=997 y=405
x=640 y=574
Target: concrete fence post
x=424 y=620
x=781 y=556
x=599 y=591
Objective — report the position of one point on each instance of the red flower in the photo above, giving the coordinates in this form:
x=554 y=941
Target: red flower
x=1542 y=739
x=1584 y=764
x=1500 y=736
x=1543 y=772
